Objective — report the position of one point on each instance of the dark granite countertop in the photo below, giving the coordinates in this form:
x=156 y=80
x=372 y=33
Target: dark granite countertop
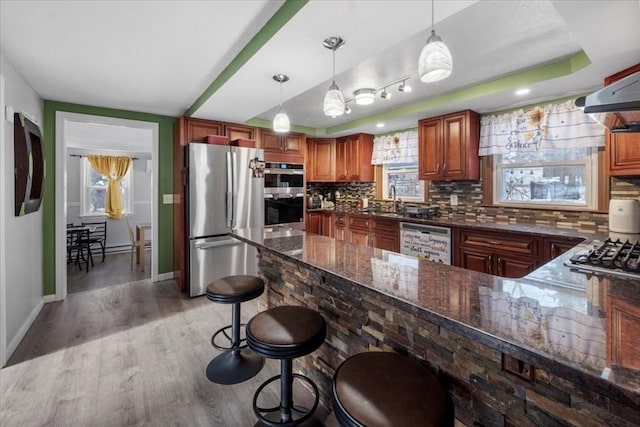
x=466 y=222
x=555 y=313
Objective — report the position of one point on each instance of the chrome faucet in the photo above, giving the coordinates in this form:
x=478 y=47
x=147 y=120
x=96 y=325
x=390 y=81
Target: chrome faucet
x=392 y=190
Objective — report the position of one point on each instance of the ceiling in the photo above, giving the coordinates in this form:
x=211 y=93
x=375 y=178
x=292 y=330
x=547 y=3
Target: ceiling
x=216 y=59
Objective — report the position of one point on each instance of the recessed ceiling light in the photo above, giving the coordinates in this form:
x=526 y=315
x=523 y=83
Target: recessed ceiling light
x=379 y=125
x=364 y=96
x=523 y=91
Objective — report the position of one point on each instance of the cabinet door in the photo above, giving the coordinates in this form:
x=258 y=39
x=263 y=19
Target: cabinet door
x=341 y=159
x=388 y=241
x=454 y=147
x=328 y=220
x=293 y=143
x=476 y=260
x=233 y=131
x=322 y=162
x=198 y=129
x=624 y=153
x=358 y=236
x=271 y=141
x=429 y=148
x=312 y=224
x=340 y=232
x=353 y=158
x=554 y=247
x=507 y=266
x=623 y=149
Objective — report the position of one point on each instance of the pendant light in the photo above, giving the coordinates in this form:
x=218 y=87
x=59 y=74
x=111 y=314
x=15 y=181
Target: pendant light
x=281 y=120
x=435 y=61
x=333 y=104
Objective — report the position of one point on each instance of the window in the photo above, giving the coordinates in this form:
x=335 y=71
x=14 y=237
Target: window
x=555 y=178
x=404 y=176
x=94 y=191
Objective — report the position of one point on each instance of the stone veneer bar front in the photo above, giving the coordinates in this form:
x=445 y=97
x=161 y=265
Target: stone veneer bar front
x=512 y=352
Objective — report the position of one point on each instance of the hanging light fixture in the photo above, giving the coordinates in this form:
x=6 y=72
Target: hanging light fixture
x=333 y=104
x=281 y=120
x=435 y=61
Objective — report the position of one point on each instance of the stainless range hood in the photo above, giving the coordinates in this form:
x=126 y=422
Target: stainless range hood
x=619 y=103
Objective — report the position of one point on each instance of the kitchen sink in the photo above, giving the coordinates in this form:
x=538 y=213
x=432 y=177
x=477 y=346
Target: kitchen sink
x=390 y=214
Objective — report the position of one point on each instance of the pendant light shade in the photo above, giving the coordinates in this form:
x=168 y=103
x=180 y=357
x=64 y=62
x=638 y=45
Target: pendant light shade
x=435 y=61
x=281 y=121
x=333 y=104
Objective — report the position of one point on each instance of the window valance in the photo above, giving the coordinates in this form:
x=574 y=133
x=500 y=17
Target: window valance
x=555 y=126
x=401 y=147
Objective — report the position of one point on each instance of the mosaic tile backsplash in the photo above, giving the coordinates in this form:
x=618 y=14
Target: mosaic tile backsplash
x=470 y=203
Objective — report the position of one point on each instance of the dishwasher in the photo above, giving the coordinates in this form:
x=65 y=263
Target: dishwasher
x=426 y=242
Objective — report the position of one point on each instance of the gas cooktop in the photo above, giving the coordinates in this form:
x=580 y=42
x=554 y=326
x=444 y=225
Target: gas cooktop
x=612 y=257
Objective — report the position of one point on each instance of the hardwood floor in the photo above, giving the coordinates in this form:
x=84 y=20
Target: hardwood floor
x=115 y=269
x=128 y=355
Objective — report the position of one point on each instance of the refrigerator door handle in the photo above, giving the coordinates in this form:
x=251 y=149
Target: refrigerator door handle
x=229 y=191
x=210 y=245
x=234 y=191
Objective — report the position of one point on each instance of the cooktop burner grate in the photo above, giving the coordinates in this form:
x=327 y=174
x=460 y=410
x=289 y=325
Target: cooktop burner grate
x=616 y=255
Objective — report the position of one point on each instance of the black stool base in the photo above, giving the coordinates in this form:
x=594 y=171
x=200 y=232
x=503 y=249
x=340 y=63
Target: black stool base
x=275 y=418
x=228 y=368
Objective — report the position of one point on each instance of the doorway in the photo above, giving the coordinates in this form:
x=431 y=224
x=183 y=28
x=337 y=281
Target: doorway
x=80 y=134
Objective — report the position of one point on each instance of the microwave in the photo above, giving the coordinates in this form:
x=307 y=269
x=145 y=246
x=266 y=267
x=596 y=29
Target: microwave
x=283 y=193
x=284 y=178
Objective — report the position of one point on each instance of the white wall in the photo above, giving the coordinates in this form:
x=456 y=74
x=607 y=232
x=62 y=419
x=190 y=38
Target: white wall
x=22 y=235
x=117 y=234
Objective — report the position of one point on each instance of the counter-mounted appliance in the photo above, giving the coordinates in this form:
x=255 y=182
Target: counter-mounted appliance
x=620 y=102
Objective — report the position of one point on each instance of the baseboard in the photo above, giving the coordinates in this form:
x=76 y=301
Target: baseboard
x=49 y=298
x=165 y=276
x=13 y=344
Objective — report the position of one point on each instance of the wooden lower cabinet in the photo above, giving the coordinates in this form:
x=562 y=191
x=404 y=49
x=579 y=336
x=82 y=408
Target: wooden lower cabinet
x=476 y=261
x=623 y=320
x=340 y=227
x=386 y=234
x=359 y=230
x=509 y=266
x=327 y=220
x=313 y=222
x=556 y=246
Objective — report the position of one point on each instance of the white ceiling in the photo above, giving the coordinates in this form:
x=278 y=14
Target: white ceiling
x=160 y=56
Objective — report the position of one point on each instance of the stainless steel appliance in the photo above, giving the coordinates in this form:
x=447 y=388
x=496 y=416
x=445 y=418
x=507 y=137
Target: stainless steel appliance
x=621 y=258
x=283 y=193
x=426 y=242
x=225 y=191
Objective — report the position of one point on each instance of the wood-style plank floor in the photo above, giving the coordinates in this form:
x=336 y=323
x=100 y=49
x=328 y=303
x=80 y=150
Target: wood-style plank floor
x=130 y=354
x=115 y=269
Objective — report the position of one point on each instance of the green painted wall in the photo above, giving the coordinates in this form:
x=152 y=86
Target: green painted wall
x=165 y=183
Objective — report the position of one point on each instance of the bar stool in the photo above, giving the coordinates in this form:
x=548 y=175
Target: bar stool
x=237 y=363
x=284 y=333
x=387 y=389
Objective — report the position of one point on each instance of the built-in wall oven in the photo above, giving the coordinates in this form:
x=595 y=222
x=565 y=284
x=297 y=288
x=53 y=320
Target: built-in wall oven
x=283 y=193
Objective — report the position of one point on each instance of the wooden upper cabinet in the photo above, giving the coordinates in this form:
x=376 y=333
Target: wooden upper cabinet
x=353 y=158
x=198 y=129
x=448 y=147
x=622 y=149
x=320 y=159
x=283 y=147
x=233 y=131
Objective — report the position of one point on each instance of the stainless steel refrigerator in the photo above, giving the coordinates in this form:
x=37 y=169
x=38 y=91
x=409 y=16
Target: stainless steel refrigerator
x=225 y=191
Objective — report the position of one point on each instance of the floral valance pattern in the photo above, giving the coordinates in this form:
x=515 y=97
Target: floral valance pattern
x=401 y=147
x=551 y=126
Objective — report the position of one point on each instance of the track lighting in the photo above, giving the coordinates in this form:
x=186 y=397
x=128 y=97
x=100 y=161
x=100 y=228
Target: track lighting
x=385 y=94
x=404 y=87
x=364 y=96
x=347 y=109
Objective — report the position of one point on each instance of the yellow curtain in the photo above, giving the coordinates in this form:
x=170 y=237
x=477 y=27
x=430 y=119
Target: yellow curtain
x=114 y=168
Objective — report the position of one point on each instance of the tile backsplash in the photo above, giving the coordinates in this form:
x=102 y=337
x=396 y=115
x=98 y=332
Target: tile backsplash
x=470 y=203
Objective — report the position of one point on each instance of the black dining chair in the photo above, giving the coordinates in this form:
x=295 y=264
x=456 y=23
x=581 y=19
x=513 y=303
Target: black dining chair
x=77 y=242
x=97 y=235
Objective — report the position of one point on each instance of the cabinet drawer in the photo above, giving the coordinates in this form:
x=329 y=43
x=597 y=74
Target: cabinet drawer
x=359 y=222
x=501 y=242
x=341 y=219
x=385 y=225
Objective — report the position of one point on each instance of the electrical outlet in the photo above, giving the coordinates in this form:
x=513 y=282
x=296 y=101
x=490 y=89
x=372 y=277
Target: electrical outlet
x=167 y=199
x=453 y=200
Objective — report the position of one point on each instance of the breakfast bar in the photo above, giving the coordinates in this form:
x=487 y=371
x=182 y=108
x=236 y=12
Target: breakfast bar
x=557 y=347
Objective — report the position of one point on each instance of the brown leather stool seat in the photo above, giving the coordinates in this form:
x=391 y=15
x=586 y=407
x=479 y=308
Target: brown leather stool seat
x=387 y=389
x=237 y=363
x=284 y=333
